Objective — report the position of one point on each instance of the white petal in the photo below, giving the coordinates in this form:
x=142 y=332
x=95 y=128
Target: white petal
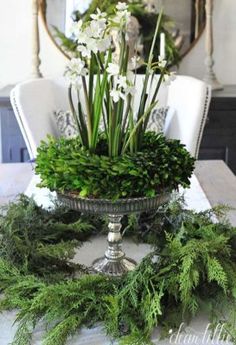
x=121 y=6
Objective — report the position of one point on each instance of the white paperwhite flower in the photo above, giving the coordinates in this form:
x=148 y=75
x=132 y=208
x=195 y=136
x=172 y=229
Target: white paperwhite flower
x=168 y=78
x=113 y=69
x=76 y=28
x=102 y=24
x=99 y=15
x=89 y=31
x=96 y=28
x=122 y=14
x=85 y=52
x=104 y=44
x=75 y=68
x=92 y=45
x=116 y=95
x=162 y=62
x=122 y=88
x=121 y=81
x=73 y=80
x=121 y=6
x=131 y=90
x=82 y=37
x=122 y=17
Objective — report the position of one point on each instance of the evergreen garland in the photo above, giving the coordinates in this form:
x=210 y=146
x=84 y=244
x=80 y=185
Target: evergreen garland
x=192 y=266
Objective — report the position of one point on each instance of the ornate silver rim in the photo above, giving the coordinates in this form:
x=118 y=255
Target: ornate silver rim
x=117 y=207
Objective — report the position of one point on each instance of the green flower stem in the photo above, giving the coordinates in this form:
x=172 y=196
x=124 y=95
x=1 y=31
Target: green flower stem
x=91 y=80
x=158 y=85
x=150 y=58
x=137 y=126
x=82 y=123
x=122 y=51
x=100 y=63
x=98 y=106
x=126 y=115
x=89 y=115
x=73 y=111
x=149 y=65
x=149 y=71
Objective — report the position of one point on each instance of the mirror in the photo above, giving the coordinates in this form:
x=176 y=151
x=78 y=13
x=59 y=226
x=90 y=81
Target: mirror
x=185 y=23
x=189 y=18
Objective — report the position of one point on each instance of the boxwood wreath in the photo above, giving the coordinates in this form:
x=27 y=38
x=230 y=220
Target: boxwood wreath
x=192 y=266
x=161 y=164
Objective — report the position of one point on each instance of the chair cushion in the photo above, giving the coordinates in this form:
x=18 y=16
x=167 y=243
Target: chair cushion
x=158 y=119
x=67 y=127
x=66 y=124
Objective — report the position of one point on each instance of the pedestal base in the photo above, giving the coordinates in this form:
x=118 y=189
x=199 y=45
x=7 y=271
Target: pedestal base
x=114 y=262
x=114 y=268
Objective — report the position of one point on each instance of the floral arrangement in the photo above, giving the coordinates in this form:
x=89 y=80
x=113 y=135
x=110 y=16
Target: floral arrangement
x=114 y=155
x=110 y=89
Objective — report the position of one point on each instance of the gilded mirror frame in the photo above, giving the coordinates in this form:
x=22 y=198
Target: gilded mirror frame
x=42 y=6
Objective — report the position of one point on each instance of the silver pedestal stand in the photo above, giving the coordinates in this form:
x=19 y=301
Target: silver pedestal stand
x=114 y=263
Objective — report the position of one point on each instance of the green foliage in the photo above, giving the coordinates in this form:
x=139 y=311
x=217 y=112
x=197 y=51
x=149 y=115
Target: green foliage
x=35 y=240
x=18 y=289
x=67 y=44
x=72 y=304
x=59 y=334
x=191 y=267
x=66 y=166
x=136 y=338
x=140 y=300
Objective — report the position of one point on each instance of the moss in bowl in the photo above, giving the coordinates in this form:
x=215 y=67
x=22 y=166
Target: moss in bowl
x=67 y=166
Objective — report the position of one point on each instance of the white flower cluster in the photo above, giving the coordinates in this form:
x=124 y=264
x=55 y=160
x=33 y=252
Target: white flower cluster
x=122 y=14
x=94 y=36
x=122 y=85
x=74 y=70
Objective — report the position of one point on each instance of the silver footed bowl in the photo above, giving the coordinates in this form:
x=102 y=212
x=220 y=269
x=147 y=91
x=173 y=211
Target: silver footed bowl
x=114 y=263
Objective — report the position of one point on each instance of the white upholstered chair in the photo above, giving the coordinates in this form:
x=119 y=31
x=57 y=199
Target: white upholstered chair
x=35 y=101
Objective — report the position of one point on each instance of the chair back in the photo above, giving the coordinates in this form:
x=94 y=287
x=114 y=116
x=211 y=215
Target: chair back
x=35 y=101
x=188 y=101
